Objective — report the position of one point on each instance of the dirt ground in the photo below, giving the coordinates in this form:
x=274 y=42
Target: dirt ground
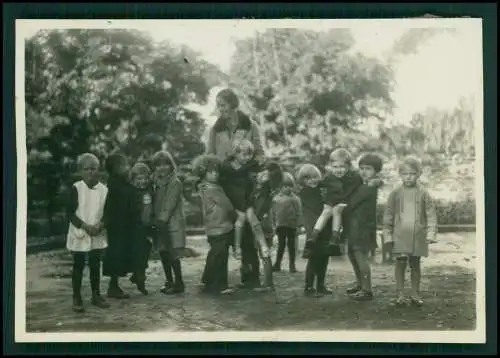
x=448 y=288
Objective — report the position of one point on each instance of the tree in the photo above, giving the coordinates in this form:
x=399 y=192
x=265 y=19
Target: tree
x=102 y=90
x=323 y=87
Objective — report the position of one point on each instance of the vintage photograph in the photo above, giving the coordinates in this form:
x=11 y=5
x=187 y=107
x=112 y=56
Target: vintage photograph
x=250 y=180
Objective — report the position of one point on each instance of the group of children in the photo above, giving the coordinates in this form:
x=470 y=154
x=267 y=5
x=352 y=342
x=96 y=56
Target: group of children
x=143 y=208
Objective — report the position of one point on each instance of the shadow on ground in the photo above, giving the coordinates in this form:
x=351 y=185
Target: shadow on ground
x=448 y=288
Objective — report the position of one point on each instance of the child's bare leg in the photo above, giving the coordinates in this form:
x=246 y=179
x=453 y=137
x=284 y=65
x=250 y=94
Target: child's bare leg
x=337 y=222
x=257 y=230
x=239 y=227
x=323 y=218
x=364 y=269
x=400 y=270
x=415 y=278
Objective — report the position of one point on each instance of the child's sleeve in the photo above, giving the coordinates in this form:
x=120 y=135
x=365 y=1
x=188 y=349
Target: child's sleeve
x=72 y=207
x=211 y=142
x=170 y=202
x=219 y=199
x=298 y=211
x=388 y=221
x=431 y=216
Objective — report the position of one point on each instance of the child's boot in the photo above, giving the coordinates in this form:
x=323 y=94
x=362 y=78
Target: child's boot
x=78 y=304
x=178 y=286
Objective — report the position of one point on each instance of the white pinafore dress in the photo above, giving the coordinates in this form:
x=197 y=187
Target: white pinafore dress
x=90 y=210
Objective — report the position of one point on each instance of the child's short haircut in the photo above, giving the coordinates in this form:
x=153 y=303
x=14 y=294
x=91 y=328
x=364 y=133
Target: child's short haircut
x=275 y=174
x=308 y=171
x=163 y=158
x=228 y=95
x=288 y=179
x=113 y=161
x=243 y=146
x=372 y=160
x=412 y=163
x=204 y=164
x=341 y=155
x=85 y=158
x=139 y=168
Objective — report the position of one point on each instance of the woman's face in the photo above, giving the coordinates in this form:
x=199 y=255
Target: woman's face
x=224 y=108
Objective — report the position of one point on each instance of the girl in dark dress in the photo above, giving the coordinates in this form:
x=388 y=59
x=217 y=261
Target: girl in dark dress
x=122 y=220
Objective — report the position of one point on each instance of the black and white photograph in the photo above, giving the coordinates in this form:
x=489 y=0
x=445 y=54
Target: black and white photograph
x=250 y=180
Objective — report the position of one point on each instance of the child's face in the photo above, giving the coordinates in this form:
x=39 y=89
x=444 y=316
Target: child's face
x=163 y=170
x=212 y=176
x=287 y=189
x=141 y=181
x=338 y=168
x=367 y=172
x=312 y=182
x=409 y=176
x=263 y=176
x=243 y=156
x=89 y=172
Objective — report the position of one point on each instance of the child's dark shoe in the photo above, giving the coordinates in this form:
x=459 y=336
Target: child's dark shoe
x=78 y=305
x=354 y=289
x=118 y=293
x=362 y=296
x=99 y=301
x=324 y=291
x=166 y=287
x=276 y=268
x=309 y=291
x=141 y=286
x=133 y=279
x=416 y=301
x=293 y=269
x=175 y=289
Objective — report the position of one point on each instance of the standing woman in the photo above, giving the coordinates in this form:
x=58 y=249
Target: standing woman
x=231 y=127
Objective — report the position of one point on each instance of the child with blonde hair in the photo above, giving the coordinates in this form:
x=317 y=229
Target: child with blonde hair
x=309 y=178
x=339 y=182
x=86 y=232
x=410 y=224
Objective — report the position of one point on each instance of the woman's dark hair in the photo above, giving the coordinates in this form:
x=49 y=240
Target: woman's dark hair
x=113 y=162
x=229 y=96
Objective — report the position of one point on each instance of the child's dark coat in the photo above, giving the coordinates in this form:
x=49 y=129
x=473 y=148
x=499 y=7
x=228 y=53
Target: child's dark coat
x=359 y=218
x=122 y=220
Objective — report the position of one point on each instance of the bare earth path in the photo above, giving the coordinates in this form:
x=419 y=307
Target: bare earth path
x=448 y=287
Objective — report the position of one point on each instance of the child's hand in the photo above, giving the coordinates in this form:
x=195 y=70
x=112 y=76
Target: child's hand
x=237 y=254
x=89 y=229
x=375 y=182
